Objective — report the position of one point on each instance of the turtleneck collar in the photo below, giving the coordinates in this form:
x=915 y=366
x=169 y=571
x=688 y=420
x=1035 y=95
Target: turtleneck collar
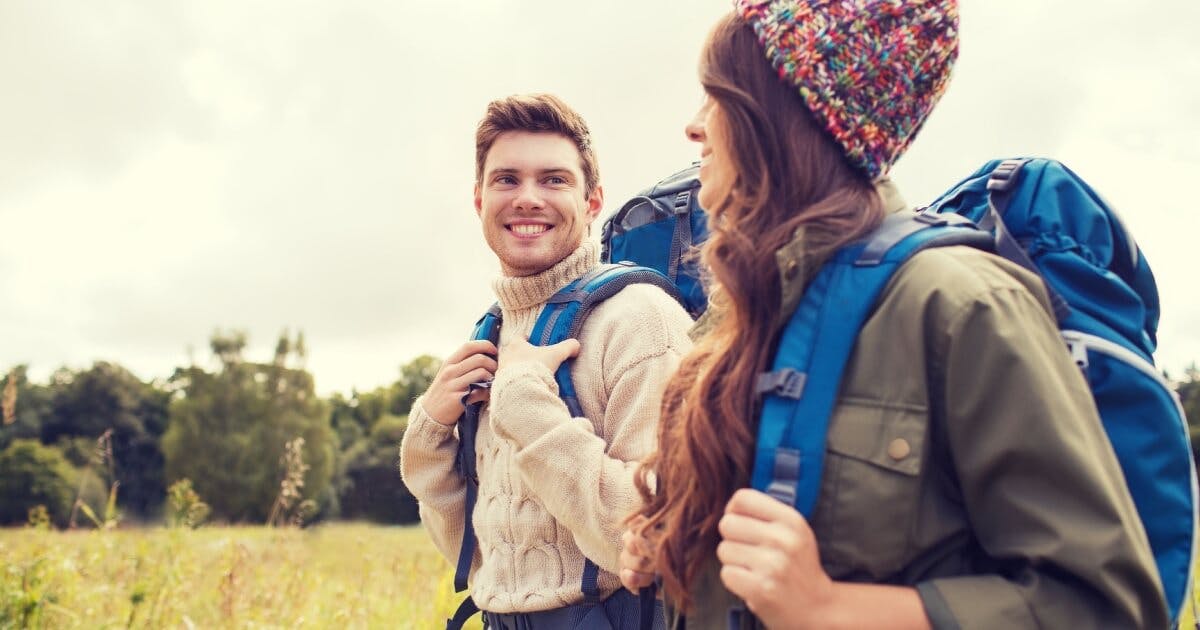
x=522 y=292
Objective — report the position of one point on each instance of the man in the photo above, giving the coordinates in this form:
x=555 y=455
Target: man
x=553 y=489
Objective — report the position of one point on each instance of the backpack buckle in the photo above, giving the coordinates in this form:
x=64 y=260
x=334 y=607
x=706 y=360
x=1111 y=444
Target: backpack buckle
x=682 y=201
x=787 y=382
x=1004 y=176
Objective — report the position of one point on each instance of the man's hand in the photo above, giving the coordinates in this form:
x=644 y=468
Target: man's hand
x=469 y=364
x=518 y=350
x=637 y=565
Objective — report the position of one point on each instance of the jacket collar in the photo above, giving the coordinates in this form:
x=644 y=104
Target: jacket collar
x=797 y=268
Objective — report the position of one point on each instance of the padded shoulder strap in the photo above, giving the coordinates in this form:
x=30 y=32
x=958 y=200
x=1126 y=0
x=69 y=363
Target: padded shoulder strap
x=567 y=310
x=800 y=391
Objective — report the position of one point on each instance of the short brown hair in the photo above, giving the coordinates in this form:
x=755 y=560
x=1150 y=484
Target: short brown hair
x=538 y=113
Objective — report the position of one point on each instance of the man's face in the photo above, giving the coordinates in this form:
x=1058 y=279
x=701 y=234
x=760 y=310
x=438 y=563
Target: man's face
x=531 y=200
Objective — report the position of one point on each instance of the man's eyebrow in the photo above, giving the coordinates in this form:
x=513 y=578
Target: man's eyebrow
x=504 y=170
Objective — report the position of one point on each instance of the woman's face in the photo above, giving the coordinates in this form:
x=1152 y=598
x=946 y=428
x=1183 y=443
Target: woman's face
x=716 y=161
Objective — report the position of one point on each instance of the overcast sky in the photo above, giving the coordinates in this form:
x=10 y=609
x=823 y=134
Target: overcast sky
x=169 y=168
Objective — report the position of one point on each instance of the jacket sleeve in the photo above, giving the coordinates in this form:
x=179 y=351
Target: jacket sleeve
x=582 y=470
x=1044 y=492
x=427 y=456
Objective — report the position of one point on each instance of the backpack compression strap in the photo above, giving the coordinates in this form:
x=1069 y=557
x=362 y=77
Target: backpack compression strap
x=488 y=327
x=801 y=388
x=1000 y=185
x=563 y=318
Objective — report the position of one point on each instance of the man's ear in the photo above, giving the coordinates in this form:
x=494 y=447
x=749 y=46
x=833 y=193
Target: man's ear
x=478 y=200
x=595 y=202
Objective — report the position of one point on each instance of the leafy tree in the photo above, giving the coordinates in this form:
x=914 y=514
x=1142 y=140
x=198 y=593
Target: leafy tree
x=33 y=474
x=373 y=489
x=1189 y=395
x=415 y=377
x=344 y=420
x=228 y=428
x=84 y=404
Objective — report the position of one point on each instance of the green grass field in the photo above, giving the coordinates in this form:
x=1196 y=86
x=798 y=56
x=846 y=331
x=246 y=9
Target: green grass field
x=334 y=576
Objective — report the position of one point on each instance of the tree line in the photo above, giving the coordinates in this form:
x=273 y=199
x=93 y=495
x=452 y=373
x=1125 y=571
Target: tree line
x=249 y=438
x=244 y=440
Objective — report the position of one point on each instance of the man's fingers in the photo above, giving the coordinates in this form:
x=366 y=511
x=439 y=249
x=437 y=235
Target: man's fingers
x=568 y=348
x=474 y=362
x=636 y=580
x=478 y=346
x=478 y=375
x=632 y=559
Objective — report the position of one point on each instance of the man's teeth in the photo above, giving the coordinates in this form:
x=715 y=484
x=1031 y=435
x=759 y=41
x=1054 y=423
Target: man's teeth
x=529 y=229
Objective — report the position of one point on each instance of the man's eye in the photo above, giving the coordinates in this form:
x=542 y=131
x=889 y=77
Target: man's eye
x=506 y=180
x=556 y=180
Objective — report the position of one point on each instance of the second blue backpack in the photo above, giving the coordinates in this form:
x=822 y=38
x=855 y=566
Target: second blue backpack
x=1040 y=215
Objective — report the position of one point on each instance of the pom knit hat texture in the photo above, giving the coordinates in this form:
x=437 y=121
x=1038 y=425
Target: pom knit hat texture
x=870 y=71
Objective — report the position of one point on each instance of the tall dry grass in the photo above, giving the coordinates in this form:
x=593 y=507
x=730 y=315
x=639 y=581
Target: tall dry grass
x=333 y=576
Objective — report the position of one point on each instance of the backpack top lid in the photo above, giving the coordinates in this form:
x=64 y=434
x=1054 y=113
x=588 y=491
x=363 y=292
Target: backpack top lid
x=1079 y=244
x=659 y=228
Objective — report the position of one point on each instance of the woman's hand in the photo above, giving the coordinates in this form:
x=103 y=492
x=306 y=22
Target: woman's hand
x=769 y=558
x=637 y=565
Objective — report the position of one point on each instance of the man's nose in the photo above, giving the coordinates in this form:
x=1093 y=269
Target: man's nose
x=528 y=196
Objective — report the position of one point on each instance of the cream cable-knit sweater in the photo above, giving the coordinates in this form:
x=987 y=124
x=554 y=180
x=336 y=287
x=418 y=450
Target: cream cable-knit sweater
x=552 y=488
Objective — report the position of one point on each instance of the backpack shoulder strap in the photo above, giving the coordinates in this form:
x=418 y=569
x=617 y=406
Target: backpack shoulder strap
x=822 y=331
x=488 y=327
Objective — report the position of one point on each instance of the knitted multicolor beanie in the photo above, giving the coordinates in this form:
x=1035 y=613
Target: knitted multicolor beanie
x=870 y=71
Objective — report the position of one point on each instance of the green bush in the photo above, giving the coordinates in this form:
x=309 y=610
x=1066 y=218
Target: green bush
x=33 y=474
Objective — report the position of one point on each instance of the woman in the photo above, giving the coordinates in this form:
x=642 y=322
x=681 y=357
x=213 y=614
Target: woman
x=967 y=479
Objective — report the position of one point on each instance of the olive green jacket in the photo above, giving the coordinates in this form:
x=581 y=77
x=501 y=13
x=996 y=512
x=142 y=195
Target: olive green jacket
x=965 y=457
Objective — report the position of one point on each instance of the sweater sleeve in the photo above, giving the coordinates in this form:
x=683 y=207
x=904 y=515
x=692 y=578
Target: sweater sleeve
x=427 y=456
x=1042 y=486
x=582 y=470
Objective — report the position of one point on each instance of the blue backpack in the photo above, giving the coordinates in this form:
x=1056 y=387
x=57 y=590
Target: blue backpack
x=658 y=229
x=562 y=318
x=1036 y=213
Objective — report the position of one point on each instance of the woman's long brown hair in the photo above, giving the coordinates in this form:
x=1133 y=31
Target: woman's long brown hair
x=790 y=175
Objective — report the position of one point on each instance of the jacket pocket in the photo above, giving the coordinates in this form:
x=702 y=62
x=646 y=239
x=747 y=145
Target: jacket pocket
x=870 y=489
